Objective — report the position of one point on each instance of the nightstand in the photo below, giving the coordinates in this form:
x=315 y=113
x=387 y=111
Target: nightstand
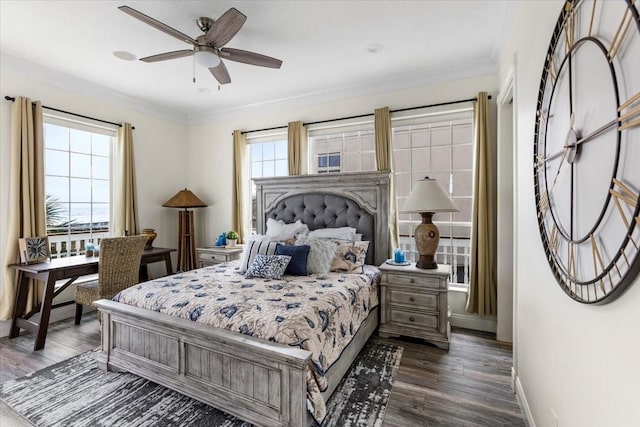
x=216 y=255
x=414 y=302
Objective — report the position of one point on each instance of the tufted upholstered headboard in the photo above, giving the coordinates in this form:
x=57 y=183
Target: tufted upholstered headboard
x=359 y=200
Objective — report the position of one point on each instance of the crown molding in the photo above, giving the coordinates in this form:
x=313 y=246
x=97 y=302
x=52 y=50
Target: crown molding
x=470 y=68
x=47 y=76
x=416 y=78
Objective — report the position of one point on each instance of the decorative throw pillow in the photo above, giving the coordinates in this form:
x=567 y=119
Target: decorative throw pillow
x=299 y=254
x=278 y=230
x=268 y=266
x=350 y=257
x=345 y=233
x=321 y=254
x=257 y=244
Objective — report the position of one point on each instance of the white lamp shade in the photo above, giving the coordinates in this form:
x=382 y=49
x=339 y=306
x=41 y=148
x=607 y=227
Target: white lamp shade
x=207 y=58
x=428 y=196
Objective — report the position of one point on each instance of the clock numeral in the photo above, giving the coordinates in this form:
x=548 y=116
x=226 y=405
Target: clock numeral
x=598 y=264
x=593 y=14
x=626 y=195
x=552 y=68
x=543 y=116
x=630 y=115
x=571 y=262
x=569 y=27
x=543 y=204
x=553 y=239
x=618 y=38
x=540 y=161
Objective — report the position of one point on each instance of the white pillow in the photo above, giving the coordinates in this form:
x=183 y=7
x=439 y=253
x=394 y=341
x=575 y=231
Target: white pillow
x=278 y=230
x=321 y=254
x=344 y=233
x=257 y=244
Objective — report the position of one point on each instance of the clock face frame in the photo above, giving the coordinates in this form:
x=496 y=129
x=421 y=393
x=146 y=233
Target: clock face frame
x=586 y=160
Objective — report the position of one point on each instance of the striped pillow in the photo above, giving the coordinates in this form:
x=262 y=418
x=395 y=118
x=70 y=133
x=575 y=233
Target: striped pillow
x=257 y=244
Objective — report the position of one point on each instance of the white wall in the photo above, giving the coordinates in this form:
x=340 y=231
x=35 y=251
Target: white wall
x=160 y=153
x=211 y=148
x=575 y=360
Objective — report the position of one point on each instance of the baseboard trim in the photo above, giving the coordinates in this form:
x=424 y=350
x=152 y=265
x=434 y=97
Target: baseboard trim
x=57 y=314
x=471 y=321
x=522 y=399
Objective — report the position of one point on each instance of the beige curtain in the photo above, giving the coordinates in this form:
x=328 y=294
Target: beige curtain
x=125 y=199
x=297 y=148
x=240 y=208
x=482 y=298
x=384 y=160
x=26 y=212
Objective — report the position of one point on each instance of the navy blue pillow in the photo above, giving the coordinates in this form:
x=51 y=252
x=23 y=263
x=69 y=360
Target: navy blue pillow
x=298 y=264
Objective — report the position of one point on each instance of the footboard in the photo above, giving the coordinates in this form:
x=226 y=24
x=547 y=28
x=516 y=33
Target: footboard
x=255 y=380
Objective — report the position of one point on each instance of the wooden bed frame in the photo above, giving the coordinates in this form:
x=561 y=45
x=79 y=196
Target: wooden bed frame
x=256 y=380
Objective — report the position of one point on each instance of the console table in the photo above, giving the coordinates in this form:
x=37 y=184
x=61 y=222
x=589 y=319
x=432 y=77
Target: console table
x=70 y=269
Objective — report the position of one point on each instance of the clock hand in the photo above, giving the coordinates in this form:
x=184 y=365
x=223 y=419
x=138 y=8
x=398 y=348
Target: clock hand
x=582 y=140
x=596 y=132
x=566 y=148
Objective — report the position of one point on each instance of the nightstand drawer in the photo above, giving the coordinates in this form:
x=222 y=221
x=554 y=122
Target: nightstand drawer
x=423 y=301
x=407 y=280
x=213 y=257
x=414 y=319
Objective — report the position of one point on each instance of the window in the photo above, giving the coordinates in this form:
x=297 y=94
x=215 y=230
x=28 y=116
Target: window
x=349 y=148
x=329 y=162
x=441 y=147
x=267 y=157
x=77 y=169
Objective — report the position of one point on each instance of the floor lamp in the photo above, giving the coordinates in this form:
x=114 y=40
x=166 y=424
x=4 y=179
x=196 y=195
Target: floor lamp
x=185 y=199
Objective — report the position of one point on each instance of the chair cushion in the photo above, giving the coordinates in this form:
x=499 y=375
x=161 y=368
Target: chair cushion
x=87 y=293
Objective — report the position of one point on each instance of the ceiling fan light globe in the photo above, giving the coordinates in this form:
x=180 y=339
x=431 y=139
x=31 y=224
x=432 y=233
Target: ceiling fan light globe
x=207 y=58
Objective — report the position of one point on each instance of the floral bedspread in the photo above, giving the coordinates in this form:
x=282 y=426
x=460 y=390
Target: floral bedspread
x=320 y=313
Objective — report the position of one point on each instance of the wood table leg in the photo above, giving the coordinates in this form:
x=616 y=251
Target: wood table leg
x=20 y=304
x=45 y=311
x=167 y=263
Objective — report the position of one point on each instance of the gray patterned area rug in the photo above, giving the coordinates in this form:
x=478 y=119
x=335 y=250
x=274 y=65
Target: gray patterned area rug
x=76 y=393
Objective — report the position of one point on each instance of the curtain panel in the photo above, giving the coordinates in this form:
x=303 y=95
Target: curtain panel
x=384 y=162
x=482 y=297
x=297 y=148
x=125 y=199
x=240 y=181
x=26 y=212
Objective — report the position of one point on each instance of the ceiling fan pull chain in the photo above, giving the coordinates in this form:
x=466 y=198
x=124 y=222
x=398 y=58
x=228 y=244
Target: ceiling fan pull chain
x=194 y=69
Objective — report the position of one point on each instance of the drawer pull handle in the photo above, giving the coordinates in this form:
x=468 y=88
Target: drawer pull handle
x=412 y=319
x=412 y=281
x=412 y=299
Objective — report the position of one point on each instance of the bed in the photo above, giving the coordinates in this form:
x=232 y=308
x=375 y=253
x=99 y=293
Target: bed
x=256 y=380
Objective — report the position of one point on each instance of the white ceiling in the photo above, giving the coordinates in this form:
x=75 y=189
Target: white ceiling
x=323 y=46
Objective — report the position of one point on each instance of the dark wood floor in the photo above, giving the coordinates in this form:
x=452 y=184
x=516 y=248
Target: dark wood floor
x=467 y=386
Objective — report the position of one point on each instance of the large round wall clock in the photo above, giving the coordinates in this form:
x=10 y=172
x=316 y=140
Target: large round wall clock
x=587 y=149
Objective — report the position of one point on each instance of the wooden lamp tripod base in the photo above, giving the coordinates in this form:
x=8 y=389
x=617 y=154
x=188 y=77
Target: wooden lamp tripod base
x=185 y=199
x=187 y=245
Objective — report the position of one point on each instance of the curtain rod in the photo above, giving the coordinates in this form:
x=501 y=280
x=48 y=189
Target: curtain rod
x=10 y=98
x=368 y=114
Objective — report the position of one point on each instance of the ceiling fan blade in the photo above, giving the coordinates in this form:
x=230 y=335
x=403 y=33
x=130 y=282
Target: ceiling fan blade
x=225 y=27
x=157 y=24
x=220 y=73
x=251 y=58
x=168 y=55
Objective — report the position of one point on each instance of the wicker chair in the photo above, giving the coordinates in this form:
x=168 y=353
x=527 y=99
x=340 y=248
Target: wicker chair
x=118 y=269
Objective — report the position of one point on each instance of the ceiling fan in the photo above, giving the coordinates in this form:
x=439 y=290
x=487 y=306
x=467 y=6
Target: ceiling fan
x=208 y=47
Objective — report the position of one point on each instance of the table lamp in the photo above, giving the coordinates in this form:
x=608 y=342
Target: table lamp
x=185 y=199
x=428 y=198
